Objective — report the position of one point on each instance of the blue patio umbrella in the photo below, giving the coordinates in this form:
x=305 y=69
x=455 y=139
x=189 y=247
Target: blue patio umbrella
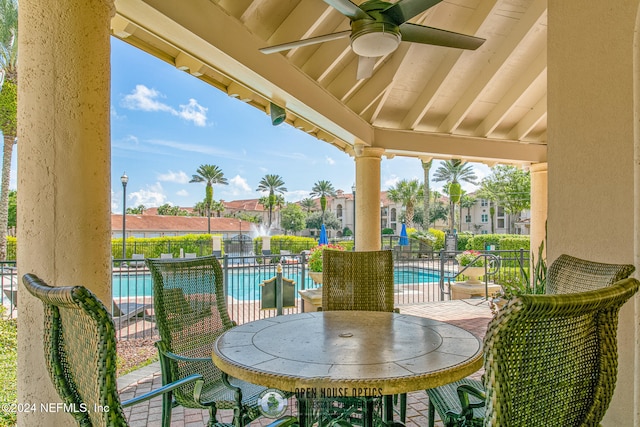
x=323 y=236
x=404 y=238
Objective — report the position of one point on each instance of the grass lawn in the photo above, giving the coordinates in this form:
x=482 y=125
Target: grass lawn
x=8 y=361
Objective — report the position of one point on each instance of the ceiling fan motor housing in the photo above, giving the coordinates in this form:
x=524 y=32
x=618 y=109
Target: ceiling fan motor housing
x=374 y=37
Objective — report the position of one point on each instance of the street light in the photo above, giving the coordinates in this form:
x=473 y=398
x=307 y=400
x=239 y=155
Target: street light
x=124 y=179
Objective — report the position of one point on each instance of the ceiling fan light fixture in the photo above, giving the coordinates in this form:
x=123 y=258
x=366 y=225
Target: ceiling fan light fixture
x=375 y=44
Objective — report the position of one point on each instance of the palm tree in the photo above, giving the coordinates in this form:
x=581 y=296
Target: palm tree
x=272 y=184
x=407 y=193
x=209 y=174
x=426 y=167
x=217 y=207
x=466 y=202
x=308 y=204
x=452 y=172
x=8 y=105
x=323 y=189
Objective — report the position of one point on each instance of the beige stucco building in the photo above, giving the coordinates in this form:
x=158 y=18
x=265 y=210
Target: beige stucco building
x=556 y=87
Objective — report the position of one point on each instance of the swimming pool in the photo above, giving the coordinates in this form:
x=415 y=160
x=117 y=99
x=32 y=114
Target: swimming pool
x=244 y=284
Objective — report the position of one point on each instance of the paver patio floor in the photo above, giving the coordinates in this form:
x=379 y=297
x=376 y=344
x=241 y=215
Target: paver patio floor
x=472 y=315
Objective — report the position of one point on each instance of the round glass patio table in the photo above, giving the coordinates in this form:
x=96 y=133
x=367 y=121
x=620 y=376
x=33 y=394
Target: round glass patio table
x=348 y=353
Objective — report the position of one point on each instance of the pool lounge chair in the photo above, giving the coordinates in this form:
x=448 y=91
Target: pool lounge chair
x=125 y=311
x=137 y=261
x=166 y=256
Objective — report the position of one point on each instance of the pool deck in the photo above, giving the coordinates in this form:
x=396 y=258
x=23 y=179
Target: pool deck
x=472 y=315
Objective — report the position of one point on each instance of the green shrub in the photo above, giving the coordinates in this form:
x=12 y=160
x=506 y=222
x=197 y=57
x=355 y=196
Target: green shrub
x=439 y=242
x=152 y=247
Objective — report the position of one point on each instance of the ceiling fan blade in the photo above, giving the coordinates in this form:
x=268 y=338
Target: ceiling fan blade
x=406 y=9
x=428 y=35
x=348 y=9
x=305 y=42
x=365 y=67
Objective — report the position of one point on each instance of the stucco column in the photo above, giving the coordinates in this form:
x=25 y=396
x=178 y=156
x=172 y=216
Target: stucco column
x=590 y=117
x=539 y=192
x=63 y=171
x=368 y=199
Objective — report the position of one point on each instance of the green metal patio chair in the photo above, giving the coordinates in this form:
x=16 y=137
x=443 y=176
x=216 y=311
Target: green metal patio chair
x=359 y=281
x=191 y=312
x=568 y=274
x=548 y=360
x=80 y=350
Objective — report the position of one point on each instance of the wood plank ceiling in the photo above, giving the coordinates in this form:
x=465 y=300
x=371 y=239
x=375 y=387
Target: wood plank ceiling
x=421 y=100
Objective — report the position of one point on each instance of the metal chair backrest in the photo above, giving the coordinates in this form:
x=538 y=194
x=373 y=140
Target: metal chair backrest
x=357 y=280
x=80 y=350
x=552 y=359
x=191 y=312
x=568 y=274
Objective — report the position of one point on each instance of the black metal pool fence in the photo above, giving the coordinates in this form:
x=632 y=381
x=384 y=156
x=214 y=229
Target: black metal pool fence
x=419 y=277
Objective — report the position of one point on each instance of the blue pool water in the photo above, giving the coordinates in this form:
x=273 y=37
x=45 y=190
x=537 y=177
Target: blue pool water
x=244 y=284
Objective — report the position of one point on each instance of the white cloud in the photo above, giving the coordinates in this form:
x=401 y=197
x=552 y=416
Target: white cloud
x=151 y=197
x=296 y=195
x=177 y=177
x=330 y=161
x=146 y=99
x=391 y=181
x=183 y=193
x=238 y=185
x=194 y=112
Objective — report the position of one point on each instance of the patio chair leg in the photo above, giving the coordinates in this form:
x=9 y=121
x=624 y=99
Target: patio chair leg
x=167 y=404
x=432 y=414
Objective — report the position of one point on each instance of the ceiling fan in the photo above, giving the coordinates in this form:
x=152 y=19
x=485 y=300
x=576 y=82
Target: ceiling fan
x=378 y=27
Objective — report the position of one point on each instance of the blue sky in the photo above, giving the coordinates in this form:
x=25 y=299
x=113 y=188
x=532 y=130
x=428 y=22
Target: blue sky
x=165 y=123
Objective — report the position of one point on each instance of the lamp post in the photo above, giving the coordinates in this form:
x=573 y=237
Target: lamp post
x=353 y=190
x=124 y=179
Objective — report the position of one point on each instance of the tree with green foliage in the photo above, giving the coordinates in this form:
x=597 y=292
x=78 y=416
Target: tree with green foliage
x=426 y=197
x=323 y=189
x=308 y=205
x=407 y=193
x=138 y=210
x=509 y=187
x=293 y=218
x=217 y=207
x=452 y=172
x=13 y=209
x=170 y=210
x=315 y=221
x=466 y=202
x=8 y=105
x=271 y=184
x=210 y=175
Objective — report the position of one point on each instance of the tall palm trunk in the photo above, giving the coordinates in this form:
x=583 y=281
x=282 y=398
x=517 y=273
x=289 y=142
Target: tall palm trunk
x=426 y=167
x=9 y=141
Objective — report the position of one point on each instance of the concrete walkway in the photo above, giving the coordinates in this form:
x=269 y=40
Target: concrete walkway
x=473 y=315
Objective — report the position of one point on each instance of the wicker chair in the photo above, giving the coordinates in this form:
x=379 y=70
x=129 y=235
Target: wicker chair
x=357 y=281
x=80 y=349
x=568 y=274
x=565 y=275
x=549 y=360
x=191 y=312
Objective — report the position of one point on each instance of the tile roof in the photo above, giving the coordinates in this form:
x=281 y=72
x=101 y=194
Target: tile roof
x=175 y=223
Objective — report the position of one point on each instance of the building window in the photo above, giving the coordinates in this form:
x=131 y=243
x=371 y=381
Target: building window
x=500 y=222
x=339 y=211
x=484 y=218
x=484 y=202
x=467 y=218
x=484 y=232
x=393 y=215
x=500 y=211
